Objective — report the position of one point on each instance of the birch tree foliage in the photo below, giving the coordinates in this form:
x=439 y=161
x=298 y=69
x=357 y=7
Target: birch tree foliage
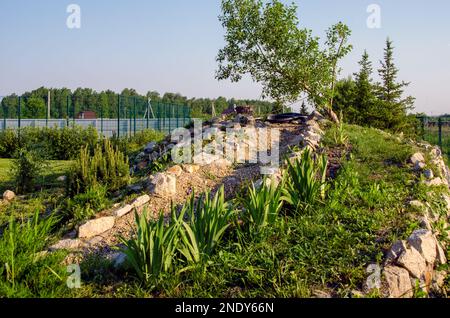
x=264 y=40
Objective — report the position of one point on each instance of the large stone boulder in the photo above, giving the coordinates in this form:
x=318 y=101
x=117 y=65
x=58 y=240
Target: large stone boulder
x=96 y=227
x=428 y=174
x=140 y=201
x=150 y=147
x=311 y=135
x=67 y=244
x=8 y=196
x=204 y=159
x=424 y=242
x=417 y=157
x=123 y=211
x=163 y=184
x=175 y=170
x=413 y=261
x=436 y=182
x=398 y=282
x=191 y=168
x=314 y=126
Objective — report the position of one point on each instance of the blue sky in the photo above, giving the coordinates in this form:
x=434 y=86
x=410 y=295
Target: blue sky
x=171 y=45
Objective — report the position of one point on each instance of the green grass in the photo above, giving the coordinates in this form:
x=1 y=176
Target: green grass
x=55 y=170
x=48 y=195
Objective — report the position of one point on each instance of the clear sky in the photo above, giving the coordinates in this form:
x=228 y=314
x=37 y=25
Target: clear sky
x=171 y=45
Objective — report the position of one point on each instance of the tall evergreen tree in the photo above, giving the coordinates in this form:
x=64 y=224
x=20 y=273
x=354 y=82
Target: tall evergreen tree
x=304 y=109
x=393 y=106
x=365 y=100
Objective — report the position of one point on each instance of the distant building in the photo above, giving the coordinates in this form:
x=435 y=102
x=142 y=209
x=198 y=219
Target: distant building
x=87 y=114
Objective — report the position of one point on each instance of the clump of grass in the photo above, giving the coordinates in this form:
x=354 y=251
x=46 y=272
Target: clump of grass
x=340 y=136
x=152 y=251
x=209 y=218
x=23 y=271
x=261 y=207
x=305 y=181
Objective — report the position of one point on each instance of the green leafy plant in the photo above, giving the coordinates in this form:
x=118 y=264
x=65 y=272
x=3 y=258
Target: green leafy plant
x=152 y=251
x=85 y=205
x=262 y=206
x=160 y=164
x=339 y=135
x=209 y=218
x=23 y=271
x=306 y=181
x=107 y=166
x=27 y=167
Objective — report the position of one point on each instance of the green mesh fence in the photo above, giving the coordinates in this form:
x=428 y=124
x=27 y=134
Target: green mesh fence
x=436 y=130
x=119 y=116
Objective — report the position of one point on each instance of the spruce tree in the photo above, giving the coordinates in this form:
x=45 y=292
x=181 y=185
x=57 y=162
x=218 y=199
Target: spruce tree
x=392 y=106
x=303 y=109
x=364 y=94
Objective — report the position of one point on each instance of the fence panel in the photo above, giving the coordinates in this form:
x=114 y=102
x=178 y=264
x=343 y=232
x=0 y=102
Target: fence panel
x=124 y=116
x=436 y=130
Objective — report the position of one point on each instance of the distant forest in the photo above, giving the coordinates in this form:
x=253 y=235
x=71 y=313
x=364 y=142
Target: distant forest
x=34 y=103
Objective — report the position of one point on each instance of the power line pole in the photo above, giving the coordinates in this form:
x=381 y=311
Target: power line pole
x=48 y=108
x=213 y=110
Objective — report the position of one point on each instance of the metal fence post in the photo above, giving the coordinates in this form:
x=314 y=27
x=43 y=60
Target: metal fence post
x=4 y=118
x=422 y=120
x=67 y=110
x=159 y=116
x=129 y=121
x=178 y=116
x=118 y=116
x=19 y=115
x=73 y=113
x=148 y=112
x=170 y=117
x=440 y=131
x=101 y=120
x=164 y=116
x=134 y=110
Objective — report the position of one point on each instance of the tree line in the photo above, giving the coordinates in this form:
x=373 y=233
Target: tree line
x=65 y=103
